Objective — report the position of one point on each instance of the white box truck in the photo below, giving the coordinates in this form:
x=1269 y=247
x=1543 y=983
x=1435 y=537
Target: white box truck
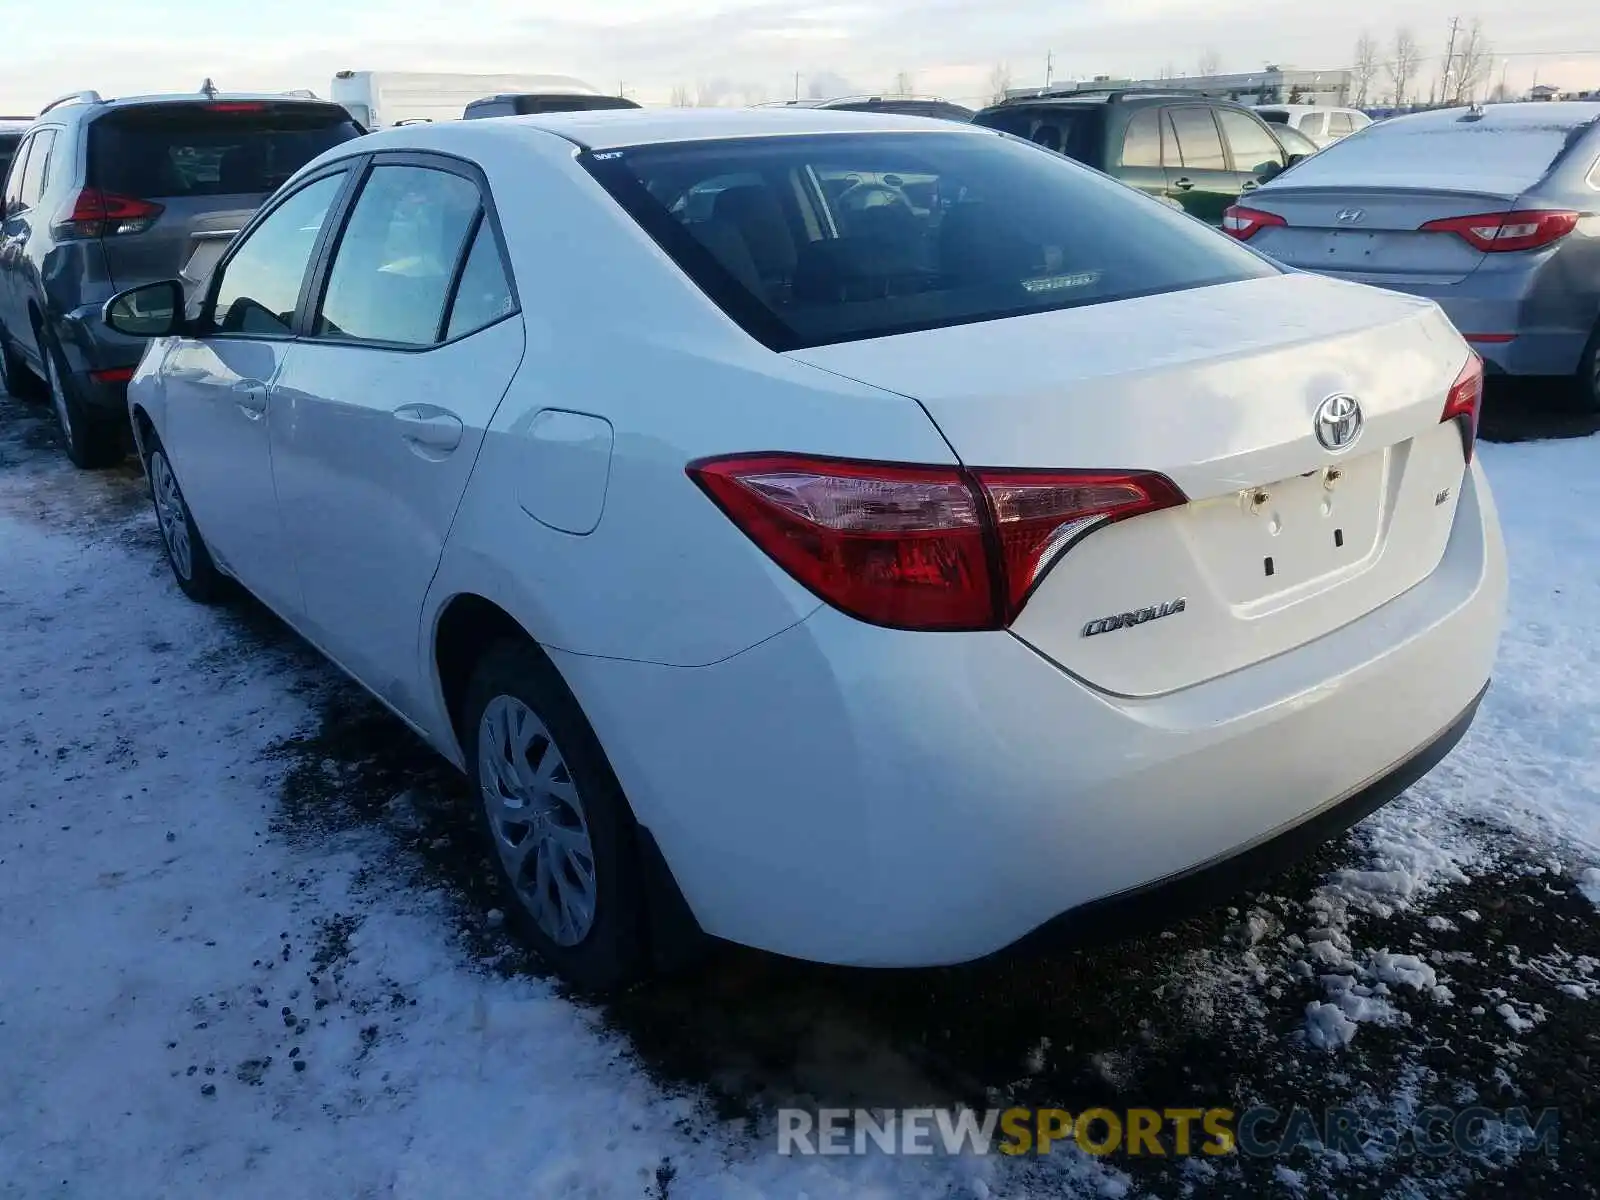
x=380 y=99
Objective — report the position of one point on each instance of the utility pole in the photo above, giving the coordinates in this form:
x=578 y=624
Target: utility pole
x=1049 y=67
x=797 y=85
x=1449 y=60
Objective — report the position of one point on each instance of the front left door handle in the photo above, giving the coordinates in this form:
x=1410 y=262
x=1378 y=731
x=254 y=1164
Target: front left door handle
x=426 y=427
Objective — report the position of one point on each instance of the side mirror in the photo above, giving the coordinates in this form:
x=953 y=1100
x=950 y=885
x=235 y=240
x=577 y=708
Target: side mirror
x=1269 y=170
x=151 y=311
x=1297 y=158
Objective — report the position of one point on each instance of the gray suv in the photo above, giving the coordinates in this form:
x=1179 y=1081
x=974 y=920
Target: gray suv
x=103 y=195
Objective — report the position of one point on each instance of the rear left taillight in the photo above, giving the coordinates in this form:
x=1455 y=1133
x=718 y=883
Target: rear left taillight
x=96 y=214
x=1464 y=402
x=1498 y=233
x=1244 y=223
x=918 y=547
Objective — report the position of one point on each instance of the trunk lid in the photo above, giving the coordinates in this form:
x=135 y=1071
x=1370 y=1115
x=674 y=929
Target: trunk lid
x=1373 y=235
x=1281 y=540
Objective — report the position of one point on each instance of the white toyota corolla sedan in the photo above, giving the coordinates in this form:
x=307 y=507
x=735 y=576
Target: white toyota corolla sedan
x=872 y=540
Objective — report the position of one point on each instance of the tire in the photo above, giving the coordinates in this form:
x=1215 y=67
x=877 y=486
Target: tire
x=92 y=440
x=15 y=378
x=516 y=699
x=192 y=567
x=1587 y=380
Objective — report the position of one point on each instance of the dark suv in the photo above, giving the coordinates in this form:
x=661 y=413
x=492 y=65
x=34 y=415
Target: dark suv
x=106 y=194
x=522 y=104
x=1193 y=151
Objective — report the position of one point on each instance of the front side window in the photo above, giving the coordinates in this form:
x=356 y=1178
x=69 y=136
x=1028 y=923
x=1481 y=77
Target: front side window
x=1198 y=144
x=930 y=229
x=1142 y=146
x=260 y=285
x=36 y=175
x=1252 y=146
x=397 y=257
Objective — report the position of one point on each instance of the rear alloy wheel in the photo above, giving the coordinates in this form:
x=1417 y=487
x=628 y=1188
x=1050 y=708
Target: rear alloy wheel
x=93 y=442
x=558 y=826
x=187 y=555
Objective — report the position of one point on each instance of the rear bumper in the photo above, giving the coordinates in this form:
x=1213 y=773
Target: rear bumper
x=1151 y=905
x=865 y=796
x=91 y=347
x=1488 y=308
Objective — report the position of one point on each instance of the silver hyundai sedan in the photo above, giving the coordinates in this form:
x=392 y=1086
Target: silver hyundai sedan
x=1490 y=211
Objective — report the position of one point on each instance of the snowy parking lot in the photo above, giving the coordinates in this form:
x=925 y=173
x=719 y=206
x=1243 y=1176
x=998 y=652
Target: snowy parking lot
x=248 y=948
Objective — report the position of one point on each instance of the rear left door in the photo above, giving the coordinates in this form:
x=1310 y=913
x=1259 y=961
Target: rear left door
x=381 y=407
x=1255 y=155
x=1142 y=153
x=1204 y=184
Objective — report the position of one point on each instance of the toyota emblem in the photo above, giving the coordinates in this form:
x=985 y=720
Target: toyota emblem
x=1338 y=422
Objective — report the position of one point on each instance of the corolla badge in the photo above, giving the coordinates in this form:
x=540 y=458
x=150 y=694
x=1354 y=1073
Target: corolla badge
x=1338 y=422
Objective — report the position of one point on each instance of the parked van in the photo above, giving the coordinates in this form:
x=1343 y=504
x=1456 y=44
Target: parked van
x=524 y=103
x=381 y=99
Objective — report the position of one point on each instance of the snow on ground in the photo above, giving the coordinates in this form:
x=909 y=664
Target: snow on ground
x=193 y=1002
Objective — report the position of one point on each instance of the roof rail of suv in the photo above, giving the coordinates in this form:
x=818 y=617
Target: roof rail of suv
x=1109 y=95
x=89 y=97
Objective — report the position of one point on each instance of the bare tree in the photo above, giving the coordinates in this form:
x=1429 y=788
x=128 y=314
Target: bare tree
x=1210 y=63
x=904 y=84
x=681 y=97
x=1500 y=93
x=1403 y=61
x=1472 y=65
x=1366 y=66
x=999 y=82
x=1168 y=71
x=752 y=94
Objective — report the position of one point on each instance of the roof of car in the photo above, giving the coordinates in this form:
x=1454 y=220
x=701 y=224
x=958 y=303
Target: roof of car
x=92 y=99
x=1529 y=114
x=604 y=129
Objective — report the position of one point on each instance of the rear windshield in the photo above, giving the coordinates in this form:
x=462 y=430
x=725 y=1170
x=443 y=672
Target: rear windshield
x=220 y=149
x=1073 y=130
x=809 y=240
x=1276 y=115
x=1503 y=153
x=526 y=105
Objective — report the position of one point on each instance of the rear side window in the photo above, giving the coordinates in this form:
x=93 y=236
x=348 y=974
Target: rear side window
x=1311 y=124
x=1142 y=145
x=1340 y=124
x=483 y=296
x=220 y=149
x=1199 y=145
x=1252 y=146
x=36 y=174
x=397 y=258
x=931 y=229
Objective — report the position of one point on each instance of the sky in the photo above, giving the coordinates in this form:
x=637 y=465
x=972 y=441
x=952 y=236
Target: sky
x=738 y=51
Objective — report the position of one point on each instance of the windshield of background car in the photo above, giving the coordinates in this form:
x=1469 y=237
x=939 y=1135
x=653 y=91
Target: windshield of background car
x=809 y=240
x=225 y=148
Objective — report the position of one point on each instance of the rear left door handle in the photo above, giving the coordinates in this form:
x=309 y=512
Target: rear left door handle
x=425 y=427
x=251 y=397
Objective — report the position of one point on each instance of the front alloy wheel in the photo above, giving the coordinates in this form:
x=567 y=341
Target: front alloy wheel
x=187 y=555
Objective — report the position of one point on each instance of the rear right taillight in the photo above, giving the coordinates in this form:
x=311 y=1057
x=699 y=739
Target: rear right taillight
x=96 y=214
x=1244 y=223
x=1464 y=402
x=921 y=547
x=1498 y=233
